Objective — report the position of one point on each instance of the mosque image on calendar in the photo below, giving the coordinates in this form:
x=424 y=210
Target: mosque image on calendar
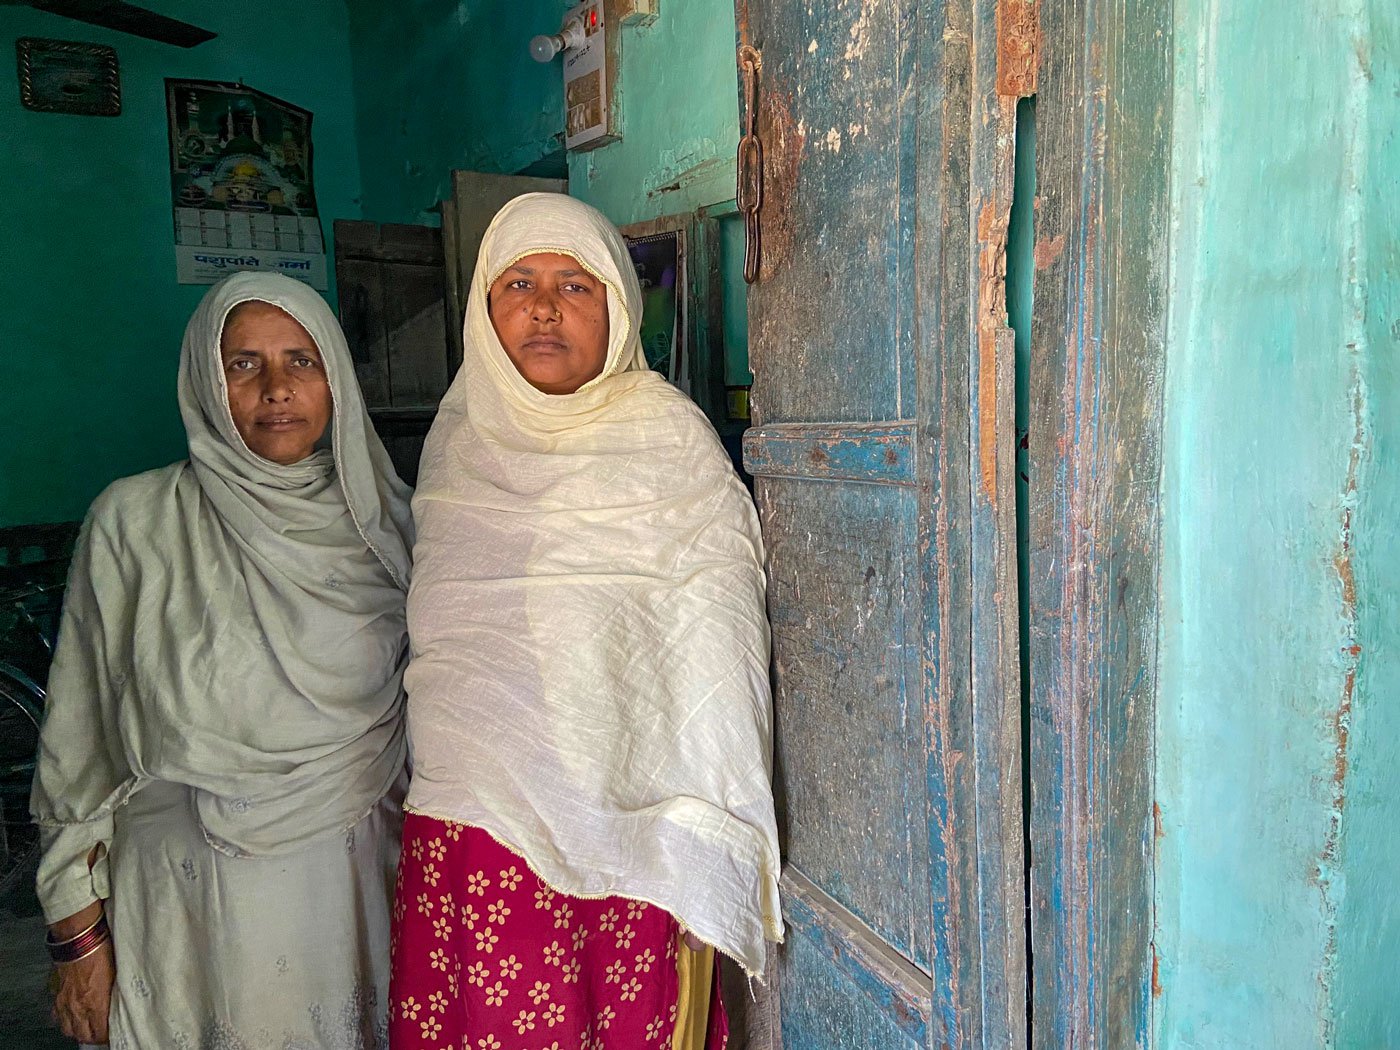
x=241 y=183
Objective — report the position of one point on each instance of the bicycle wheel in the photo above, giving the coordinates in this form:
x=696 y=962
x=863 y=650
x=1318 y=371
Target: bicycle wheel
x=21 y=712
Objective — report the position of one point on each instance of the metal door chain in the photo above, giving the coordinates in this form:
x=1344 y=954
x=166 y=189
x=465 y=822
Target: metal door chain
x=750 y=189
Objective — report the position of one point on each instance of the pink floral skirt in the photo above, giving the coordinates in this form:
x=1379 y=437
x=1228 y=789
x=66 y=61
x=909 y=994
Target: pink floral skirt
x=486 y=956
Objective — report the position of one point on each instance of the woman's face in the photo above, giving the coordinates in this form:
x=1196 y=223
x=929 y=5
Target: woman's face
x=551 y=316
x=277 y=387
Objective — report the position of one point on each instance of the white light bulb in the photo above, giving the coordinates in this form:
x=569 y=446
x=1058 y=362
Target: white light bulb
x=544 y=47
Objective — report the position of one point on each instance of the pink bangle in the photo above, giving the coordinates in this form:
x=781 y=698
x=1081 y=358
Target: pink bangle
x=82 y=945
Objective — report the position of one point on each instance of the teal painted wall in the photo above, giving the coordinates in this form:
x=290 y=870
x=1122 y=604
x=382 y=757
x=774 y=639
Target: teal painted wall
x=402 y=94
x=444 y=84
x=1366 y=1007
x=1277 y=915
x=90 y=316
x=679 y=118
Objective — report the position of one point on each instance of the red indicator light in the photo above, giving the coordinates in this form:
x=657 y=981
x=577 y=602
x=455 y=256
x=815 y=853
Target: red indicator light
x=593 y=18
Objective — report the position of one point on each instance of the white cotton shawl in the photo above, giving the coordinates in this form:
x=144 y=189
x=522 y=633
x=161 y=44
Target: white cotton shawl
x=236 y=625
x=589 y=680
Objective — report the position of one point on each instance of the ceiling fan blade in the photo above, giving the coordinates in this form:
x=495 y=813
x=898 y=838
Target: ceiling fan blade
x=127 y=18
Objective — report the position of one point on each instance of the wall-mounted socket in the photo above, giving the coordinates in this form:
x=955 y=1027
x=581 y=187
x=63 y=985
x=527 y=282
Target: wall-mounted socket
x=592 y=44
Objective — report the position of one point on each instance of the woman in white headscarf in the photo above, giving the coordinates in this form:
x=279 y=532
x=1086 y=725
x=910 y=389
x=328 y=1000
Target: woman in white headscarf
x=222 y=758
x=589 y=703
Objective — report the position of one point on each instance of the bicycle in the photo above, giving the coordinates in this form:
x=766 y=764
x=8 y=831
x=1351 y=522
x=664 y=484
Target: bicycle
x=28 y=634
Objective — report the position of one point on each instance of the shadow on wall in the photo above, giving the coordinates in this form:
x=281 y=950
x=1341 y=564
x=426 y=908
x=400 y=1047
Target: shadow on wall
x=446 y=84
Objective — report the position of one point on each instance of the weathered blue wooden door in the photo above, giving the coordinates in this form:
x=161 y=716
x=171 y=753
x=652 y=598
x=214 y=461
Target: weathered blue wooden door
x=882 y=451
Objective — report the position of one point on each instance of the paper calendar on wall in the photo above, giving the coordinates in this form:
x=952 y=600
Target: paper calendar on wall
x=241 y=184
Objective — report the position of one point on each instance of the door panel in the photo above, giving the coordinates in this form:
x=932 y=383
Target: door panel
x=836 y=135
x=881 y=449
x=841 y=987
x=841 y=586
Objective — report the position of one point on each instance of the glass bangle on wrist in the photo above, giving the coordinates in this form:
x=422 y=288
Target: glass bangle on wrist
x=96 y=945
x=82 y=945
x=101 y=915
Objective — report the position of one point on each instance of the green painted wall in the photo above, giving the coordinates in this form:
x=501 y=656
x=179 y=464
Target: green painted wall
x=91 y=316
x=1278 y=922
x=1366 y=1007
x=679 y=118
x=444 y=84
x=90 y=329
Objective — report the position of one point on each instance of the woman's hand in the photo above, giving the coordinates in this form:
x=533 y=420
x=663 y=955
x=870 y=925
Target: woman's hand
x=83 y=992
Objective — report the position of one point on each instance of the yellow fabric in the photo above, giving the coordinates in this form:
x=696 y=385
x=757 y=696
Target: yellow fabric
x=696 y=972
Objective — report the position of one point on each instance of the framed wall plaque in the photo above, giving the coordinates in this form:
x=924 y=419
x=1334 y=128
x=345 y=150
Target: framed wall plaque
x=61 y=76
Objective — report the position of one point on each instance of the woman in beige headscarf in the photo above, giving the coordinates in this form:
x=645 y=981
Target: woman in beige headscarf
x=222 y=757
x=588 y=695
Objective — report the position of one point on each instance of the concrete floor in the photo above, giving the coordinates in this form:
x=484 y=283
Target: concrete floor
x=24 y=970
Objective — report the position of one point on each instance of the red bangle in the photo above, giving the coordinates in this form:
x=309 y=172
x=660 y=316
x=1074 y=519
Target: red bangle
x=81 y=946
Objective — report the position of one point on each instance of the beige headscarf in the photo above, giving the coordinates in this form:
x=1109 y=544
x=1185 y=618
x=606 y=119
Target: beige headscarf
x=589 y=680
x=237 y=625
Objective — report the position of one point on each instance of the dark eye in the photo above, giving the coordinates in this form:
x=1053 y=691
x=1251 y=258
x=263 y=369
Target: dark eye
x=306 y=362
x=519 y=284
x=242 y=364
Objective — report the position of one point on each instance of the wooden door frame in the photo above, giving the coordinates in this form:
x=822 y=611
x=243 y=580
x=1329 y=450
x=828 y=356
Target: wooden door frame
x=967 y=391
x=1098 y=356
